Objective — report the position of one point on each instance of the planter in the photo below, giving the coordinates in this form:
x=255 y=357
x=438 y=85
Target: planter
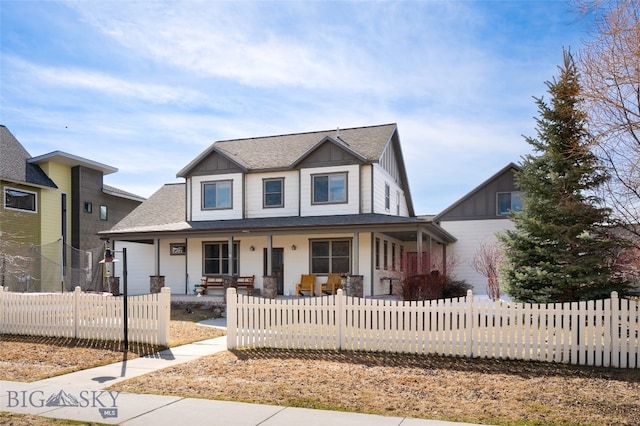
x=269 y=287
x=156 y=282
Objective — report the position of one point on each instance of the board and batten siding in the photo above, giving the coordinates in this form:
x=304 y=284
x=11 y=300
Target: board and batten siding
x=198 y=213
x=380 y=178
x=352 y=206
x=471 y=234
x=255 y=194
x=366 y=197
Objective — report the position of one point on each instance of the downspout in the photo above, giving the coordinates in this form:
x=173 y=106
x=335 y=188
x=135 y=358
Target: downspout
x=186 y=266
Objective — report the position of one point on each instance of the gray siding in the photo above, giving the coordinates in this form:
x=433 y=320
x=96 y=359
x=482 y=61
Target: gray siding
x=482 y=202
x=328 y=154
x=215 y=164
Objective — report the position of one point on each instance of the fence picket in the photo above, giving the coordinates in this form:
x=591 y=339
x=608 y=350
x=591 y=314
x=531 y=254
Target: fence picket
x=594 y=333
x=84 y=316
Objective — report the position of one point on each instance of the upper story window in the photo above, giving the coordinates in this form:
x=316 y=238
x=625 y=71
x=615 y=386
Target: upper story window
x=273 y=192
x=329 y=188
x=104 y=213
x=387 y=196
x=216 y=195
x=20 y=200
x=508 y=201
x=330 y=256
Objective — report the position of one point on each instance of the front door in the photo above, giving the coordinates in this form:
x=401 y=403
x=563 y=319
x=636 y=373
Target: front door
x=277 y=267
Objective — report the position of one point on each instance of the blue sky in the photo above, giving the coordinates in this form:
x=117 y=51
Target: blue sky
x=146 y=86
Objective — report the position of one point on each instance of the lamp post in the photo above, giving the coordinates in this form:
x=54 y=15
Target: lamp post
x=109 y=258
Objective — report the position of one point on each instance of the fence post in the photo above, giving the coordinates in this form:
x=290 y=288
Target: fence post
x=232 y=317
x=614 y=333
x=340 y=326
x=77 y=292
x=2 y=290
x=164 y=315
x=469 y=324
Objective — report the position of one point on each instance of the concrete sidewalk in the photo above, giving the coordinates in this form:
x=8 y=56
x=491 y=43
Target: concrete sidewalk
x=81 y=396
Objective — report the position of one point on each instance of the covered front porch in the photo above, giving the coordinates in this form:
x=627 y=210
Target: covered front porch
x=382 y=250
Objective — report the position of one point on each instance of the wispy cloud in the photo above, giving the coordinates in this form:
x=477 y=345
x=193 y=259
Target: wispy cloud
x=145 y=86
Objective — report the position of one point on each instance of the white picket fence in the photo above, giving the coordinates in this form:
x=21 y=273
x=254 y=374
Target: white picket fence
x=597 y=332
x=87 y=316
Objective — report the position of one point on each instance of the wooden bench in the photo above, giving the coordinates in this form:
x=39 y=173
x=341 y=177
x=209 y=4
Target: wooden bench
x=246 y=282
x=218 y=281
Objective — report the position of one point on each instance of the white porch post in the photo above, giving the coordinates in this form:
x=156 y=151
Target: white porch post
x=356 y=254
x=230 y=242
x=419 y=247
x=269 y=256
x=157 y=256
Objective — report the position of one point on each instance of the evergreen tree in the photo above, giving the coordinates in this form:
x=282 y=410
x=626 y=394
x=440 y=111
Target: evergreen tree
x=561 y=248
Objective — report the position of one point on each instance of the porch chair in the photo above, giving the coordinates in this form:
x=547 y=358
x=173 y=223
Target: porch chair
x=307 y=283
x=332 y=285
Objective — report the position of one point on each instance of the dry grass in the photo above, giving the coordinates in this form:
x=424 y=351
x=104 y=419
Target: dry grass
x=480 y=391
x=28 y=358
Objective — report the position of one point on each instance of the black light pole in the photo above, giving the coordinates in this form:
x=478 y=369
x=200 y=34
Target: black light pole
x=126 y=305
x=109 y=258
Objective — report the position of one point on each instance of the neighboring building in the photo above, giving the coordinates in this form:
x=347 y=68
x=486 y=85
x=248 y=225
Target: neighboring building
x=476 y=218
x=333 y=201
x=53 y=201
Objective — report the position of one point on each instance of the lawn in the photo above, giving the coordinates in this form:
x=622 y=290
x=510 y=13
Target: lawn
x=433 y=387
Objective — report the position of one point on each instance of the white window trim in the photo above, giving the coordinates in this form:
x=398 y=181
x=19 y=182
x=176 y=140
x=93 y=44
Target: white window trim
x=4 y=199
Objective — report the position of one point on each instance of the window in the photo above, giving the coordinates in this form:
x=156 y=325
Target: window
x=103 y=213
x=401 y=257
x=387 y=196
x=273 y=190
x=330 y=188
x=88 y=207
x=216 y=258
x=508 y=201
x=216 y=195
x=377 y=255
x=20 y=200
x=330 y=256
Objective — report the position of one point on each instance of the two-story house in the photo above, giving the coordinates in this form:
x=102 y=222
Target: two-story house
x=334 y=201
x=53 y=207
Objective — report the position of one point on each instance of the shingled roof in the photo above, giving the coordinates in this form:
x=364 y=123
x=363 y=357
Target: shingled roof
x=284 y=151
x=14 y=164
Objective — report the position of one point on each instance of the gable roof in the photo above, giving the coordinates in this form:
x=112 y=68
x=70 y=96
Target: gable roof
x=285 y=151
x=477 y=190
x=15 y=166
